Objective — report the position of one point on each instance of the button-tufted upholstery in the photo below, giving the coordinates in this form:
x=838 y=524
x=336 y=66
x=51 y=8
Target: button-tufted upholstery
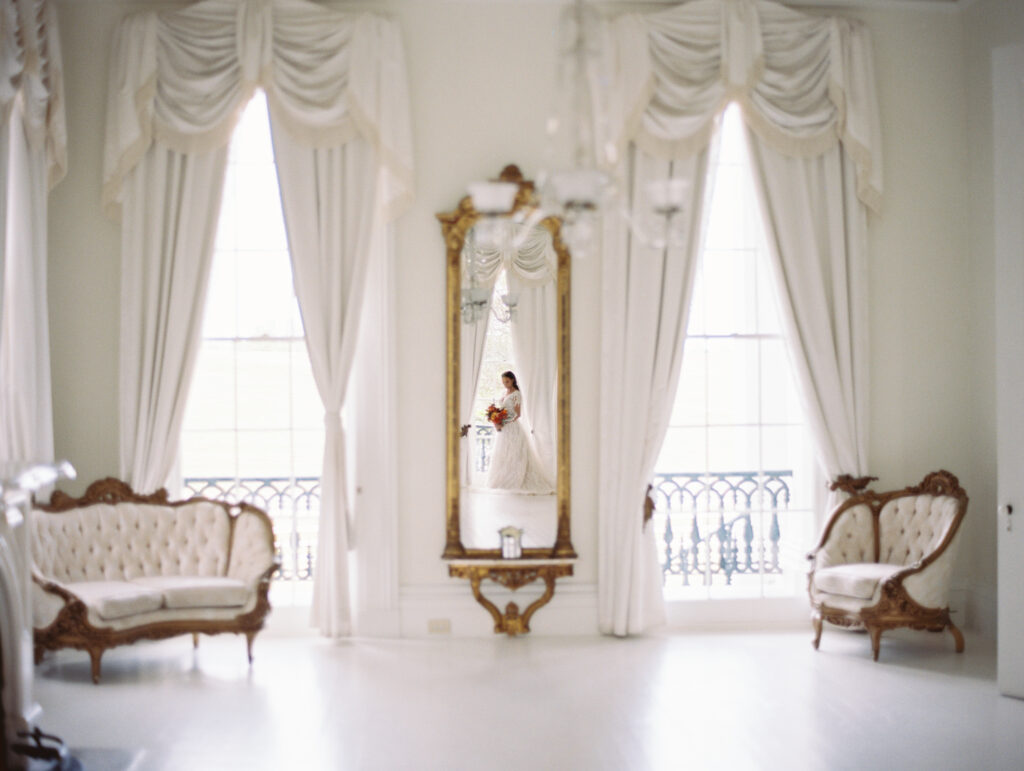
x=125 y=541
x=886 y=559
x=143 y=563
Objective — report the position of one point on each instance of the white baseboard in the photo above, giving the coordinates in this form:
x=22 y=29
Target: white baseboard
x=450 y=610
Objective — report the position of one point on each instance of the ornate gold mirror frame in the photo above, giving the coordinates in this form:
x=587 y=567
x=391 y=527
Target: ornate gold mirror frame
x=454 y=226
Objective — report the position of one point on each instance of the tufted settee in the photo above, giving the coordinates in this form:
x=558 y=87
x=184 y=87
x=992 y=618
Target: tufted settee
x=113 y=567
x=885 y=560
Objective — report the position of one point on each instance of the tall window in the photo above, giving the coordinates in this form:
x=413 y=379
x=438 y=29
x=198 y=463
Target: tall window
x=253 y=426
x=732 y=484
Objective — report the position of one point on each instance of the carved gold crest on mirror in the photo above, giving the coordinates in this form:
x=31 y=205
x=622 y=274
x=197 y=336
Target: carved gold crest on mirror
x=507 y=413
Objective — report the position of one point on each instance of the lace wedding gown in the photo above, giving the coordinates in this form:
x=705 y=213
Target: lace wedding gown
x=514 y=463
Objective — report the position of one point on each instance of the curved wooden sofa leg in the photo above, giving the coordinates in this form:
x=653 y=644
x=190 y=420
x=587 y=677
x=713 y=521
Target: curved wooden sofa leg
x=958 y=636
x=95 y=654
x=818 y=624
x=195 y=640
x=876 y=640
x=37 y=654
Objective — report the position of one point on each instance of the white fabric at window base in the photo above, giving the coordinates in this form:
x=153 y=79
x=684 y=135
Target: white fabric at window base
x=817 y=237
x=26 y=412
x=645 y=300
x=171 y=212
x=330 y=199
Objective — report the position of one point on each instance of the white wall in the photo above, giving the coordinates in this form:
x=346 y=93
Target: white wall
x=988 y=24
x=480 y=82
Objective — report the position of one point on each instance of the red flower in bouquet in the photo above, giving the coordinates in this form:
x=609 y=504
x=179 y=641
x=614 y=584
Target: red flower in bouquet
x=497 y=416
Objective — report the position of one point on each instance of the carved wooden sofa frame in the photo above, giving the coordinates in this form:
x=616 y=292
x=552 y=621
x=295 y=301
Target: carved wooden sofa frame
x=893 y=604
x=71 y=628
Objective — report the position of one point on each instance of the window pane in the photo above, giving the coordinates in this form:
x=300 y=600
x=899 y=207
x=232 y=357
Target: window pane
x=307 y=408
x=221 y=313
x=779 y=399
x=264 y=453
x=732 y=381
x=211 y=402
x=729 y=293
x=208 y=454
x=265 y=297
x=260 y=208
x=263 y=384
x=683 y=450
x=733 y=448
x=690 y=408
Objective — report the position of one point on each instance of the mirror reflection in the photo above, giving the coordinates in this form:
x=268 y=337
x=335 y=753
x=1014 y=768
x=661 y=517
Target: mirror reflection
x=507 y=452
x=509 y=387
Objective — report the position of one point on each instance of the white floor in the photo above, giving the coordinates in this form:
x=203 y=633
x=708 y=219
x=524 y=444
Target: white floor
x=689 y=701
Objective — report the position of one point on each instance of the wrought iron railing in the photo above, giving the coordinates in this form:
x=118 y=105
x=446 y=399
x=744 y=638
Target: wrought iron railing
x=483 y=441
x=719 y=525
x=293 y=505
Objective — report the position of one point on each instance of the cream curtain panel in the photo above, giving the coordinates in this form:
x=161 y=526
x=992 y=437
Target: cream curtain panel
x=33 y=158
x=806 y=88
x=335 y=84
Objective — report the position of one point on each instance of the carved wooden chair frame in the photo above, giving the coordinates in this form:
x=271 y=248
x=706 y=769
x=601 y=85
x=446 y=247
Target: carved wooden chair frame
x=71 y=627
x=895 y=608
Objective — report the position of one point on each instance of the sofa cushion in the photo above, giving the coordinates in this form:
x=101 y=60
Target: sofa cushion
x=116 y=599
x=198 y=591
x=858 y=579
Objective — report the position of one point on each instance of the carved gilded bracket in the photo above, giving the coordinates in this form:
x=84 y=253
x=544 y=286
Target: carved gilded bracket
x=513 y=576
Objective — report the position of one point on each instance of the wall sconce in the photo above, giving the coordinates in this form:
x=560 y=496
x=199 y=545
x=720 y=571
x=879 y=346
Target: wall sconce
x=511 y=542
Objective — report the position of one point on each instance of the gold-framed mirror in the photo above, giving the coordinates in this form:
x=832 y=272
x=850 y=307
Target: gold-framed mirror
x=508 y=291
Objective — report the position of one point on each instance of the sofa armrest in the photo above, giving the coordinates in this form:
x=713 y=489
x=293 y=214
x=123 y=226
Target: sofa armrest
x=49 y=598
x=927 y=581
x=252 y=547
x=848 y=537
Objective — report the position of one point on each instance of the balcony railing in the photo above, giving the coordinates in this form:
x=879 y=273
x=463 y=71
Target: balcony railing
x=719 y=525
x=293 y=506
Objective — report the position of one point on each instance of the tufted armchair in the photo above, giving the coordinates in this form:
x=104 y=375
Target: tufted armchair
x=114 y=567
x=885 y=560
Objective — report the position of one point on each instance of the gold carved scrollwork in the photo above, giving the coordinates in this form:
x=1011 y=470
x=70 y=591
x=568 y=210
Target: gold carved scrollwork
x=512 y=577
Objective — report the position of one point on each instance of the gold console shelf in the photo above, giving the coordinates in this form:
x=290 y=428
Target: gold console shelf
x=512 y=574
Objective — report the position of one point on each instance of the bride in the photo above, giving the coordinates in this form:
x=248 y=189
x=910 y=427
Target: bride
x=514 y=463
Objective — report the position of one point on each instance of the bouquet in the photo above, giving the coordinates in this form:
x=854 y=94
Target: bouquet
x=497 y=416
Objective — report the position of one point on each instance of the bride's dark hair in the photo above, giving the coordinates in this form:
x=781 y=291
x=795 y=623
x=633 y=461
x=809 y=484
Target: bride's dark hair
x=511 y=376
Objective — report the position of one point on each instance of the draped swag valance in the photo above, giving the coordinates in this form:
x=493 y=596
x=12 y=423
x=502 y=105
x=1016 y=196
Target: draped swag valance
x=181 y=78
x=804 y=82
x=30 y=65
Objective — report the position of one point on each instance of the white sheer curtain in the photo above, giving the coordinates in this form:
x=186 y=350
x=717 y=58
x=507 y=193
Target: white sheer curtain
x=179 y=79
x=644 y=304
x=26 y=410
x=328 y=197
x=806 y=87
x=817 y=239
x=170 y=221
x=33 y=158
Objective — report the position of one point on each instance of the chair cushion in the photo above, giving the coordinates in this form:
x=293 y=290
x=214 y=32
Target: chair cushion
x=117 y=599
x=197 y=591
x=858 y=579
